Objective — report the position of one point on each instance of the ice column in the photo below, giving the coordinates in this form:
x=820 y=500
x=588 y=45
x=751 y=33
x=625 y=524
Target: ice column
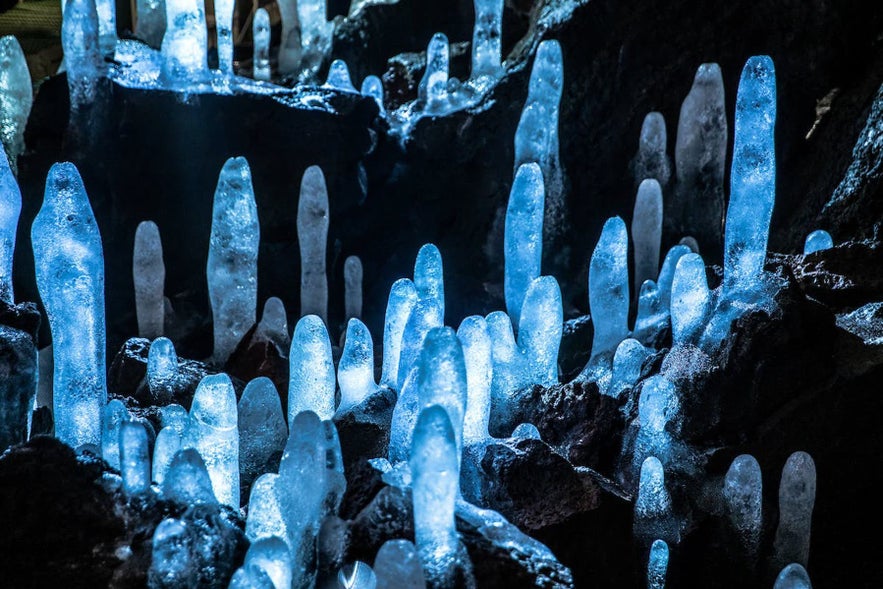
x=168 y=443
x=476 y=342
x=434 y=85
x=441 y=378
x=657 y=565
x=667 y=274
x=232 y=257
x=251 y=577
x=289 y=42
x=816 y=241
x=273 y=326
x=404 y=416
x=185 y=43
x=651 y=317
x=315 y=32
x=628 y=361
x=162 y=371
x=134 y=458
x=172 y=564
x=69 y=268
x=355 y=373
x=647 y=231
x=311 y=370
x=797 y=495
x=261 y=35
x=352 y=282
x=510 y=366
x=151 y=21
x=752 y=180
x=397 y=566
x=690 y=300
x=357 y=576
x=187 y=480
x=224 y=27
x=262 y=430
x=273 y=557
x=82 y=54
x=435 y=473
x=115 y=415
x=651 y=160
x=373 y=87
x=429 y=276
x=16 y=97
x=339 y=77
x=213 y=432
x=429 y=309
x=742 y=494
x=653 y=509
x=402 y=299
x=542 y=323
x=523 y=236
x=265 y=519
x=10 y=208
x=149 y=275
x=793 y=576
x=486 y=38
x=658 y=407
x=312 y=235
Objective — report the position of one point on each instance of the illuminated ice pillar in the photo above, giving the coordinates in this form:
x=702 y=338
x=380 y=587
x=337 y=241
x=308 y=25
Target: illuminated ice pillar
x=352 y=284
x=752 y=180
x=433 y=87
x=667 y=274
x=168 y=443
x=397 y=566
x=542 y=324
x=311 y=370
x=657 y=565
x=224 y=28
x=261 y=36
x=797 y=496
x=69 y=268
x=428 y=312
x=658 y=408
x=312 y=235
x=315 y=32
x=476 y=342
x=16 y=97
x=149 y=275
x=185 y=43
x=115 y=415
x=134 y=458
x=653 y=508
x=10 y=208
x=289 y=42
x=262 y=429
x=151 y=21
x=690 y=300
x=429 y=276
x=743 y=496
x=172 y=562
x=339 y=77
x=187 y=480
x=628 y=361
x=651 y=161
x=487 y=37
x=651 y=317
x=373 y=87
x=162 y=370
x=273 y=556
x=402 y=299
x=265 y=518
x=793 y=576
x=441 y=378
x=647 y=231
x=355 y=373
x=510 y=366
x=273 y=326
x=816 y=241
x=523 y=236
x=82 y=52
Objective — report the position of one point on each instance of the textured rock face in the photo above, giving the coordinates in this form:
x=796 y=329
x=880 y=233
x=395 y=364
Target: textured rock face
x=18 y=366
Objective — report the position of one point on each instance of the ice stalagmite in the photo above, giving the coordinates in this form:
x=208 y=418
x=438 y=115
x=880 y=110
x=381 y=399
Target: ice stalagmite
x=697 y=204
x=261 y=35
x=69 y=268
x=262 y=430
x=357 y=576
x=134 y=458
x=352 y=282
x=273 y=326
x=224 y=29
x=657 y=565
x=402 y=299
x=752 y=181
x=289 y=41
x=82 y=54
x=397 y=566
x=315 y=33
x=523 y=236
x=658 y=408
x=273 y=557
x=441 y=379
x=311 y=370
x=690 y=300
x=628 y=362
x=114 y=416
x=168 y=443
x=213 y=432
x=404 y=416
x=149 y=275
x=435 y=472
x=797 y=496
x=184 y=44
x=251 y=577
x=667 y=275
x=16 y=97
x=476 y=342
x=651 y=161
x=151 y=21
x=339 y=77
x=355 y=373
x=742 y=493
x=509 y=364
x=232 y=257
x=653 y=509
x=539 y=335
x=172 y=563
x=10 y=208
x=526 y=431
x=312 y=235
x=429 y=276
x=793 y=576
x=652 y=317
x=647 y=231
x=487 y=37
x=265 y=519
x=373 y=87
x=107 y=25
x=187 y=480
x=434 y=85
x=163 y=377
x=429 y=310
x=816 y=241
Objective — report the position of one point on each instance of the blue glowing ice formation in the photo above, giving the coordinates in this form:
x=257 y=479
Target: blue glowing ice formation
x=476 y=342
x=184 y=44
x=107 y=25
x=174 y=416
x=149 y=276
x=232 y=257
x=115 y=414
x=523 y=236
x=357 y=576
x=651 y=161
x=224 y=29
x=402 y=299
x=339 y=77
x=187 y=481
x=273 y=557
x=429 y=276
x=312 y=235
x=151 y=21
x=647 y=231
x=690 y=300
x=262 y=430
x=743 y=496
x=652 y=318
x=797 y=496
x=261 y=34
x=168 y=443
x=487 y=37
x=793 y=576
x=352 y=287
x=628 y=361
x=172 y=564
x=10 y=208
x=289 y=41
x=539 y=336
x=816 y=241
x=397 y=566
x=273 y=326
x=134 y=458
x=657 y=565
x=441 y=378
x=311 y=380
x=16 y=98
x=509 y=364
x=667 y=275
x=163 y=376
x=251 y=577
x=526 y=431
x=82 y=53
x=315 y=33
x=265 y=519
x=213 y=432
x=70 y=276
x=434 y=85
x=355 y=373
x=752 y=180
x=404 y=416
x=653 y=508
x=658 y=408
x=373 y=87
x=429 y=310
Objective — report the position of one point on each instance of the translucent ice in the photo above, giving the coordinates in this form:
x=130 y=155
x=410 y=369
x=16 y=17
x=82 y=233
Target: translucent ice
x=397 y=566
x=526 y=431
x=272 y=555
x=523 y=236
x=262 y=430
x=651 y=317
x=184 y=43
x=476 y=342
x=817 y=240
x=509 y=364
x=627 y=364
x=261 y=35
x=609 y=289
x=82 y=54
x=187 y=480
x=10 y=208
x=163 y=377
x=487 y=37
x=653 y=508
x=436 y=473
x=752 y=180
x=658 y=408
x=657 y=565
x=425 y=316
x=134 y=458
x=232 y=257
x=793 y=576
x=429 y=276
x=224 y=29
x=742 y=494
x=70 y=276
x=289 y=42
x=168 y=442
x=312 y=235
x=174 y=416
x=434 y=85
x=172 y=564
x=16 y=97
x=265 y=519
x=311 y=382
x=214 y=433
x=539 y=335
x=402 y=299
x=107 y=25
x=273 y=326
x=149 y=275
x=667 y=274
x=441 y=379
x=355 y=373
x=647 y=231
x=651 y=160
x=404 y=416
x=339 y=77
x=151 y=21
x=373 y=87
x=357 y=576
x=251 y=577
x=690 y=300
x=115 y=414
x=352 y=282
x=315 y=32
x=797 y=495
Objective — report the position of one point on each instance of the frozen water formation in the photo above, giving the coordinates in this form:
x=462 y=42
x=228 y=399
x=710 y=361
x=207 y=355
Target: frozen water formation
x=273 y=326
x=184 y=44
x=743 y=497
x=315 y=33
x=355 y=373
x=262 y=430
x=172 y=564
x=311 y=381
x=261 y=35
x=82 y=54
x=476 y=342
x=653 y=508
x=816 y=241
x=647 y=231
x=441 y=378
x=16 y=97
x=487 y=37
x=163 y=376
x=232 y=259
x=401 y=302
x=523 y=236
x=224 y=30
x=657 y=565
x=114 y=416
x=793 y=576
x=539 y=335
x=272 y=556
x=352 y=282
x=690 y=300
x=397 y=566
x=373 y=87
x=150 y=24
x=339 y=77
x=651 y=160
x=187 y=480
x=10 y=209
x=434 y=85
x=428 y=311
x=134 y=458
x=69 y=268
x=312 y=235
x=289 y=40
x=797 y=496
x=149 y=275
